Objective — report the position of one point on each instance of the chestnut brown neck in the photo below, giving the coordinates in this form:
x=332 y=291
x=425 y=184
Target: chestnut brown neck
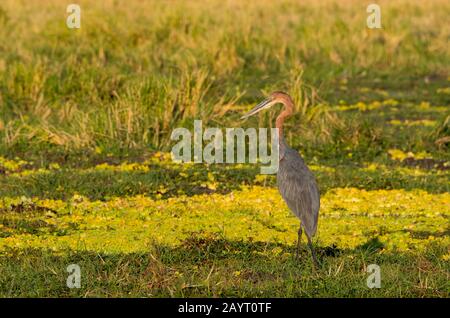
x=287 y=111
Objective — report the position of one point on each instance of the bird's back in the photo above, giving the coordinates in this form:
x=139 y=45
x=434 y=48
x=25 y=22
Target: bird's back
x=299 y=189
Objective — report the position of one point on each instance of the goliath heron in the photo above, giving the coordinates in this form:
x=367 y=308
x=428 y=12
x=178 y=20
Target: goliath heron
x=296 y=182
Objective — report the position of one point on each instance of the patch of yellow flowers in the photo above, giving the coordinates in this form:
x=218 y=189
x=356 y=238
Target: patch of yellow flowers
x=402 y=220
x=123 y=167
x=11 y=165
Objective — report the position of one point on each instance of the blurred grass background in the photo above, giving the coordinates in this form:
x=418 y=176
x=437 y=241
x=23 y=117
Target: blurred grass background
x=136 y=70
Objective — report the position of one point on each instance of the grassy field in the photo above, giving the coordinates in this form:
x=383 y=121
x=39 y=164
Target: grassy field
x=86 y=177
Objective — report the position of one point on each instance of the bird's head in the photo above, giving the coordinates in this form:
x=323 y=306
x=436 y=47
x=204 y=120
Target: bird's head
x=274 y=98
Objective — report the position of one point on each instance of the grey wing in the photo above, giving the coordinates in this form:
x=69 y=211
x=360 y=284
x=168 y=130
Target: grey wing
x=301 y=193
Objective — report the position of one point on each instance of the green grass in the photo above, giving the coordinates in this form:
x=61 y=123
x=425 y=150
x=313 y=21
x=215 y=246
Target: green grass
x=84 y=114
x=211 y=231
x=221 y=268
x=134 y=70
x=99 y=184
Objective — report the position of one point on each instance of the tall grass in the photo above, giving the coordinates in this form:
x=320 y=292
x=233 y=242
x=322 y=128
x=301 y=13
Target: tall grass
x=135 y=69
x=441 y=134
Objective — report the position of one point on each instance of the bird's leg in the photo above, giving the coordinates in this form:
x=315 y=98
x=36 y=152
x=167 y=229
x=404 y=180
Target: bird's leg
x=313 y=253
x=299 y=239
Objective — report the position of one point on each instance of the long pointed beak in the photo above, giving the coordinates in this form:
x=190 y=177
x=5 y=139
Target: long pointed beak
x=263 y=105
